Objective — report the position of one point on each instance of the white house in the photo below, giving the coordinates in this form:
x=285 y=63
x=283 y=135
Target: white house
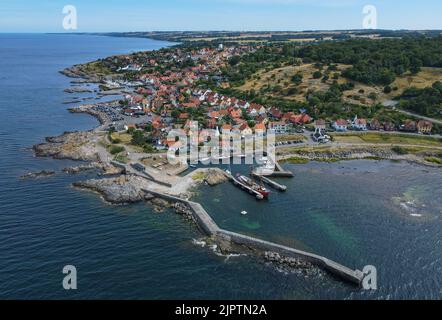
x=359 y=124
x=340 y=125
x=279 y=127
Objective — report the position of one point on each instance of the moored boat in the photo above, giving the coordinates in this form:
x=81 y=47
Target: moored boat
x=254 y=186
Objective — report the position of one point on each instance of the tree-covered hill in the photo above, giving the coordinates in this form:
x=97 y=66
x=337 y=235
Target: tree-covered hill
x=380 y=61
x=427 y=102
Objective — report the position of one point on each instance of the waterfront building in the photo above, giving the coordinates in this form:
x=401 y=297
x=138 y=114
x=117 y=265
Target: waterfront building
x=359 y=124
x=424 y=126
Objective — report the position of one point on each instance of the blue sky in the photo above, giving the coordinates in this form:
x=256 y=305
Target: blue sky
x=242 y=15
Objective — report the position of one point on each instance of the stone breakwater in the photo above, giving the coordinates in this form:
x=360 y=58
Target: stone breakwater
x=233 y=242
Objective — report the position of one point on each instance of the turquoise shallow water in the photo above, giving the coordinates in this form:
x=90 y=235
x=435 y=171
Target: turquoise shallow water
x=352 y=212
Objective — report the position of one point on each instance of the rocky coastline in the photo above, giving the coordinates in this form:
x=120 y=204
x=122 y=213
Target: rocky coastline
x=70 y=145
x=355 y=153
x=90 y=111
x=77 y=72
x=78 y=90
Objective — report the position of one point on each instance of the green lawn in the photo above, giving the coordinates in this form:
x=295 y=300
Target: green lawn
x=387 y=138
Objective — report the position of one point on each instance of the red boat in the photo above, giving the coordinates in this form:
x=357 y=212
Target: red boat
x=253 y=185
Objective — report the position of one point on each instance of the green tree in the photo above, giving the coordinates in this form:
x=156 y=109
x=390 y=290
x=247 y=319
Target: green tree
x=138 y=138
x=297 y=78
x=317 y=74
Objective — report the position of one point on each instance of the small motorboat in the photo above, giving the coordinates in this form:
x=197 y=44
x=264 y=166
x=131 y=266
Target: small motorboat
x=244 y=212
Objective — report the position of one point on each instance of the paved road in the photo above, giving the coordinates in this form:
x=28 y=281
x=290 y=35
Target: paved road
x=419 y=116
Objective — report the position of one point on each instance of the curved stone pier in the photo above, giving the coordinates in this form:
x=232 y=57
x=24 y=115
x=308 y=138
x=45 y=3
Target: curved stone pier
x=210 y=228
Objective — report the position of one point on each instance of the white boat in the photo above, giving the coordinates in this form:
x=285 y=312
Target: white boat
x=266 y=169
x=244 y=212
x=221 y=157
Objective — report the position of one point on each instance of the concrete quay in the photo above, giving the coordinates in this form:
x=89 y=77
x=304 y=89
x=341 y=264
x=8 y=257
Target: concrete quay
x=241 y=185
x=280 y=172
x=270 y=182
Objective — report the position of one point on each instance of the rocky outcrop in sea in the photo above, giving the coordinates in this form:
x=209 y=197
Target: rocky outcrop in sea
x=77 y=72
x=40 y=174
x=78 y=90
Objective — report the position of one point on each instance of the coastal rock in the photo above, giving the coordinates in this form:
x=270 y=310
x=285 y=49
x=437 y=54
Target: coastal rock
x=183 y=210
x=123 y=189
x=79 y=81
x=40 y=174
x=71 y=73
x=287 y=261
x=71 y=102
x=78 y=169
x=215 y=176
x=89 y=110
x=159 y=205
x=77 y=72
x=77 y=90
x=110 y=170
x=75 y=146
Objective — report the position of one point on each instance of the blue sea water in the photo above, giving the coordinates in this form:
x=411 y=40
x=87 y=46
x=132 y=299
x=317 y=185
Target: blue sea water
x=357 y=212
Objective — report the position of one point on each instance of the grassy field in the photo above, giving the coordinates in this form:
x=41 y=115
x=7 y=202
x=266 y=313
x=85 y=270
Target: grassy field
x=387 y=138
x=282 y=77
x=198 y=176
x=291 y=137
x=97 y=68
x=296 y=160
x=121 y=158
x=434 y=160
x=125 y=139
x=121 y=137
